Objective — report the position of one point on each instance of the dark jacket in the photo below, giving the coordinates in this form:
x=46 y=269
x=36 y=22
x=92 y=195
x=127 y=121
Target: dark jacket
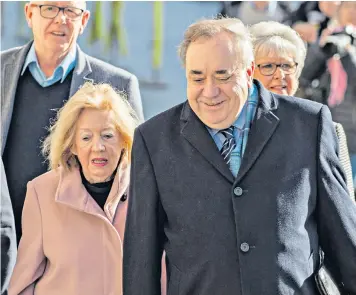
x=257 y=234
x=8 y=235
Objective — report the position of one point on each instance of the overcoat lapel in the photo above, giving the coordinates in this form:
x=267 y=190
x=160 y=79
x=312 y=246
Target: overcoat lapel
x=262 y=128
x=11 y=72
x=198 y=136
x=81 y=73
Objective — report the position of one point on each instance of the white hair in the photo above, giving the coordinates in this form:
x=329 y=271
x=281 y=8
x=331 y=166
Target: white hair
x=209 y=28
x=273 y=38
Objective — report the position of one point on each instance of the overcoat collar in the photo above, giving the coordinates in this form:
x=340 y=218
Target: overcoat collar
x=262 y=128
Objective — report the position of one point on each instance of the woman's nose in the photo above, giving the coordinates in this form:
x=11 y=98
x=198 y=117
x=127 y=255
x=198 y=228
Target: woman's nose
x=279 y=73
x=99 y=146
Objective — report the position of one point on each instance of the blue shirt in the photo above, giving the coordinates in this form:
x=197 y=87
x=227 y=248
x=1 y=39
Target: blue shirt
x=241 y=130
x=60 y=73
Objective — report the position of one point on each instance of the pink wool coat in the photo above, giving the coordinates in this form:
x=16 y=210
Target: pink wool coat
x=69 y=244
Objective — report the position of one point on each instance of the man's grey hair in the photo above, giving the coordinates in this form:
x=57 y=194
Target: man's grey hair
x=208 y=28
x=273 y=38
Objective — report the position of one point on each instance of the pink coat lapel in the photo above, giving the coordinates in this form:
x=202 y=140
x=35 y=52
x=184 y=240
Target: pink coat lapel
x=71 y=191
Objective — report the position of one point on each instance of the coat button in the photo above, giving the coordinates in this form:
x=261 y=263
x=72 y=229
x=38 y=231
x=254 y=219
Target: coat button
x=245 y=247
x=238 y=191
x=123 y=198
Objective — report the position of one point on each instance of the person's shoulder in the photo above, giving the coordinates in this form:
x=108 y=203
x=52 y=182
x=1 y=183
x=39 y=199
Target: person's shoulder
x=102 y=66
x=48 y=179
x=9 y=53
x=164 y=120
x=301 y=105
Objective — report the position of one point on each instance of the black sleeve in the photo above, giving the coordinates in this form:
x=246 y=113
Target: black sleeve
x=336 y=212
x=144 y=237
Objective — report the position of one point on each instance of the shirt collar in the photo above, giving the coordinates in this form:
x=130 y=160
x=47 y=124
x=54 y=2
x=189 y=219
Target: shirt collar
x=66 y=63
x=241 y=119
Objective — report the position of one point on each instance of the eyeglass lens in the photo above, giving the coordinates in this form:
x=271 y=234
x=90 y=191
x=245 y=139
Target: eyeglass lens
x=50 y=11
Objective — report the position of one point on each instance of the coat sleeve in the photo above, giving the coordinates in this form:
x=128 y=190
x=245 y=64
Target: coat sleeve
x=336 y=212
x=344 y=157
x=144 y=237
x=134 y=97
x=31 y=261
x=8 y=234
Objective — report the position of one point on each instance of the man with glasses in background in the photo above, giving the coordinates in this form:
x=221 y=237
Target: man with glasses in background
x=36 y=80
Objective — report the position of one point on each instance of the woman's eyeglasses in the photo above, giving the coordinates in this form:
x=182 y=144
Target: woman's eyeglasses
x=268 y=69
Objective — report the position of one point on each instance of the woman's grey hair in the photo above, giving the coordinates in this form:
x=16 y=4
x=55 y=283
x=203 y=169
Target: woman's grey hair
x=273 y=38
x=208 y=28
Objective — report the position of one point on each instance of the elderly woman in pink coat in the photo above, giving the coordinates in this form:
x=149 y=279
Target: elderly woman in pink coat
x=74 y=215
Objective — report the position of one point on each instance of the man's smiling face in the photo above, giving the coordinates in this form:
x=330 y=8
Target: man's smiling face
x=59 y=34
x=216 y=88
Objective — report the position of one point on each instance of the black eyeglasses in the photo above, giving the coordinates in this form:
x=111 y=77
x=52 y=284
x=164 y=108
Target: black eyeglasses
x=51 y=11
x=268 y=69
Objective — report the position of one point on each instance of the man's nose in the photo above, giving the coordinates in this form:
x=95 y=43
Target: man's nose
x=210 y=90
x=61 y=17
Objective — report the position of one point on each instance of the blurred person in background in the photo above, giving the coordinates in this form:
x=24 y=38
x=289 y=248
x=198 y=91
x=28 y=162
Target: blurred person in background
x=279 y=56
x=312 y=17
x=37 y=78
x=8 y=234
x=74 y=215
x=251 y=12
x=329 y=74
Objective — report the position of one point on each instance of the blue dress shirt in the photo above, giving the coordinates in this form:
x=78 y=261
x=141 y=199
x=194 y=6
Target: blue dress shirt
x=60 y=73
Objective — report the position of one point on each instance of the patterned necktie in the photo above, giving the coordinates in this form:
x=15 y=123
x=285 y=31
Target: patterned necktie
x=229 y=143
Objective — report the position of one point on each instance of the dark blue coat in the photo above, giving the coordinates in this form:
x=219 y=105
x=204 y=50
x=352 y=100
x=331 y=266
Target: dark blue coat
x=257 y=234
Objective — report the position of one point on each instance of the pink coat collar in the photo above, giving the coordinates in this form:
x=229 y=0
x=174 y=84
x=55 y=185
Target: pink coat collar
x=71 y=191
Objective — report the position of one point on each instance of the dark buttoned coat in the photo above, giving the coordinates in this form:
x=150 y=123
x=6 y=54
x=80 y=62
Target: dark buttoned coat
x=258 y=233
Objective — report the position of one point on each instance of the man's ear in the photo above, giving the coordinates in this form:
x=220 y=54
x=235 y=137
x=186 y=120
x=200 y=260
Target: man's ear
x=85 y=19
x=28 y=14
x=249 y=72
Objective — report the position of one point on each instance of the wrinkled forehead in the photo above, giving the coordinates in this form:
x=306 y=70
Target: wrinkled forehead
x=79 y=4
x=98 y=118
x=221 y=41
x=213 y=52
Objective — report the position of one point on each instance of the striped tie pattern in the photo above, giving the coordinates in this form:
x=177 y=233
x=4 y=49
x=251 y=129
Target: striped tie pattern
x=229 y=143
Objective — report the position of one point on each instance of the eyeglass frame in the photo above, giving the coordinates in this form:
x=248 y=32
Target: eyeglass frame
x=278 y=66
x=59 y=10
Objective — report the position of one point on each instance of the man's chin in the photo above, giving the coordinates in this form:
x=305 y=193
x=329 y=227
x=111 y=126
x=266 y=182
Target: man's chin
x=218 y=124
x=59 y=47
